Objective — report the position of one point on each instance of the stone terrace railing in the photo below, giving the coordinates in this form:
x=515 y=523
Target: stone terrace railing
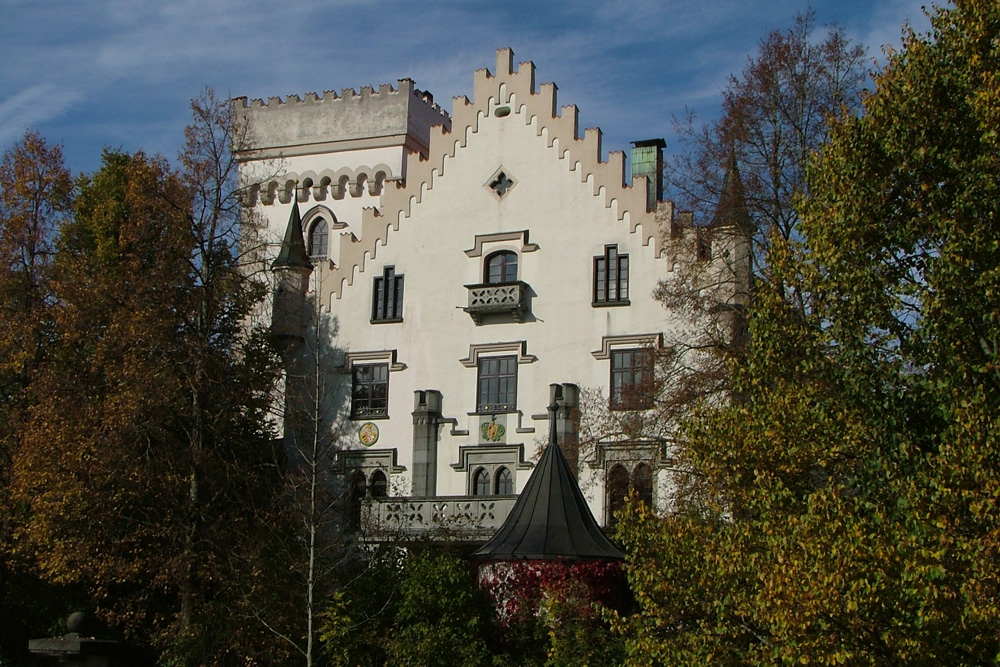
x=450 y=518
x=503 y=299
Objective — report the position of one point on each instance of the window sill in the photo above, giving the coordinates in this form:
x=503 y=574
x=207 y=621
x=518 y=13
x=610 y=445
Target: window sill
x=630 y=408
x=610 y=304
x=368 y=418
x=388 y=320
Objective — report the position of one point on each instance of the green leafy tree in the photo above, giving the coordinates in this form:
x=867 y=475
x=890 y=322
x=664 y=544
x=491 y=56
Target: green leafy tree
x=423 y=610
x=739 y=176
x=841 y=510
x=442 y=617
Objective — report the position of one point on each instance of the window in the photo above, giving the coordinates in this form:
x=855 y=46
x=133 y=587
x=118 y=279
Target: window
x=387 y=297
x=505 y=482
x=491 y=469
x=359 y=490
x=631 y=379
x=370 y=390
x=481 y=483
x=617 y=490
x=379 y=485
x=611 y=277
x=620 y=484
x=500 y=184
x=642 y=482
x=319 y=236
x=497 y=385
x=501 y=267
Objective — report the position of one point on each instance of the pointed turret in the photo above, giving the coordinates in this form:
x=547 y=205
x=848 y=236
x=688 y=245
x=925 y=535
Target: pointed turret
x=292 y=269
x=732 y=208
x=551 y=518
x=293 y=253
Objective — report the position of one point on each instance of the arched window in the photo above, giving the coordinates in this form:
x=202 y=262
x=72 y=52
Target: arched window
x=380 y=485
x=505 y=483
x=617 y=491
x=319 y=237
x=501 y=267
x=359 y=489
x=481 y=483
x=642 y=482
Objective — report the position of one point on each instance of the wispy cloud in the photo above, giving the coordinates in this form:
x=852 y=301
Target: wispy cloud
x=77 y=69
x=30 y=108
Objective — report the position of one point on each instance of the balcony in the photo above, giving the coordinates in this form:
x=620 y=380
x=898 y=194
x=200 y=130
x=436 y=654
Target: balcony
x=497 y=299
x=442 y=518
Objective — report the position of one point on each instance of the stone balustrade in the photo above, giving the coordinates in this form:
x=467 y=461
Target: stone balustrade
x=458 y=518
x=502 y=299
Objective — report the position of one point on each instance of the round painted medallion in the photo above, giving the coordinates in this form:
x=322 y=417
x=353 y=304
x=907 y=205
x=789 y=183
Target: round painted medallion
x=368 y=434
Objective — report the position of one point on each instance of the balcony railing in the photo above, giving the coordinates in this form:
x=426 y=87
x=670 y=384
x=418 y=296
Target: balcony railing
x=501 y=299
x=452 y=518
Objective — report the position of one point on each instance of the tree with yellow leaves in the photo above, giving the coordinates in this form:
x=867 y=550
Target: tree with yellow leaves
x=843 y=509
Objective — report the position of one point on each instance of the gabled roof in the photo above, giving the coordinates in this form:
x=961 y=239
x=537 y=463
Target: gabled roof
x=551 y=518
x=293 y=248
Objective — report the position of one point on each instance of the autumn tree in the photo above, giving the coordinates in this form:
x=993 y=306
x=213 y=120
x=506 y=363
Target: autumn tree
x=35 y=198
x=149 y=449
x=843 y=511
x=775 y=114
x=740 y=175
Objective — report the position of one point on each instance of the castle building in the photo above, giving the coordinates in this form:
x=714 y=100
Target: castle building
x=472 y=269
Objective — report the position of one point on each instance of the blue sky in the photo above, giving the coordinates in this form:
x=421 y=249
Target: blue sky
x=120 y=73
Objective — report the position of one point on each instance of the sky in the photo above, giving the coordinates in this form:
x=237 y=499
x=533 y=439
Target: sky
x=90 y=74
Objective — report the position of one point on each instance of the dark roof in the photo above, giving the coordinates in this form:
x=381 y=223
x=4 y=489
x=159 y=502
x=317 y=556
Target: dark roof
x=293 y=248
x=732 y=208
x=551 y=518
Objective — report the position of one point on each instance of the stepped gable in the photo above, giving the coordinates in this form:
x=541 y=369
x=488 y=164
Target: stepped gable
x=509 y=87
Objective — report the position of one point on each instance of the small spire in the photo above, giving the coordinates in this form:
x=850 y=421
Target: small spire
x=732 y=208
x=293 y=248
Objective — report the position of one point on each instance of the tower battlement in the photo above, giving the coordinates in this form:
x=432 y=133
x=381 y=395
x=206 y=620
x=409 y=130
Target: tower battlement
x=321 y=123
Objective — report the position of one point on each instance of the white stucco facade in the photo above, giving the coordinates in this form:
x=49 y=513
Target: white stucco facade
x=401 y=184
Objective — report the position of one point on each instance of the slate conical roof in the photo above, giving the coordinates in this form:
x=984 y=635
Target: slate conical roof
x=293 y=248
x=732 y=208
x=551 y=518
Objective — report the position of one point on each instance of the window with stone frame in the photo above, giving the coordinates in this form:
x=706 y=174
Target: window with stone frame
x=359 y=490
x=500 y=267
x=370 y=391
x=616 y=489
x=631 y=379
x=319 y=238
x=504 y=482
x=379 y=485
x=497 y=385
x=387 y=296
x=610 y=278
x=620 y=483
x=481 y=482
